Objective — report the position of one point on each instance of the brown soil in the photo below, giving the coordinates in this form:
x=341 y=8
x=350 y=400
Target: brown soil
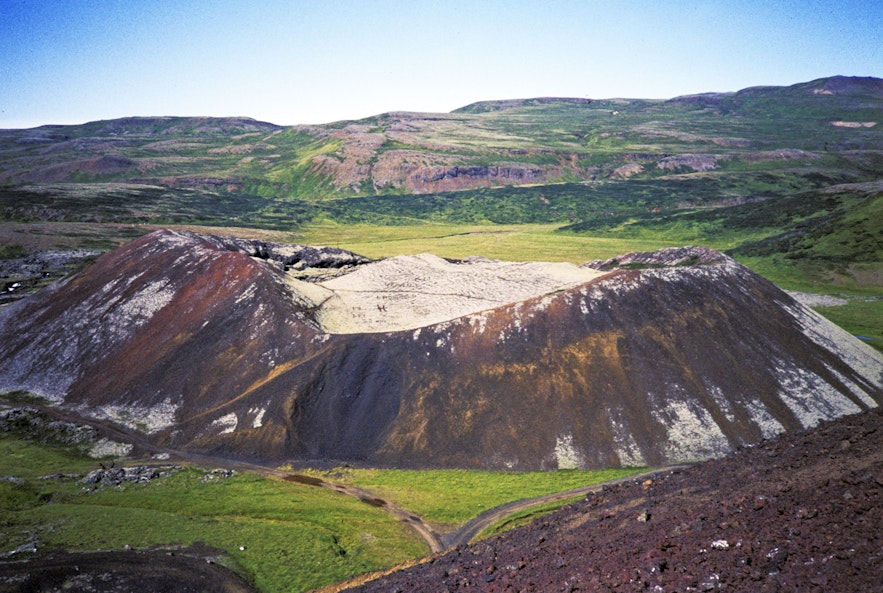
x=799 y=513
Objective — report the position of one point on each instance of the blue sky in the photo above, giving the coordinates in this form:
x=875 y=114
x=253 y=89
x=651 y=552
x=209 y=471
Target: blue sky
x=297 y=62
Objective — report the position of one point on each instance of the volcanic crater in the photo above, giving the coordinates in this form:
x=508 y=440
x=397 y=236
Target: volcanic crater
x=295 y=353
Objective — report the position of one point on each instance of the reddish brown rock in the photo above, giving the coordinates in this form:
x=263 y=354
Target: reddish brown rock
x=595 y=544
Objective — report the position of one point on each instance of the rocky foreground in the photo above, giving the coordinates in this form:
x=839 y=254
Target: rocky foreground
x=799 y=513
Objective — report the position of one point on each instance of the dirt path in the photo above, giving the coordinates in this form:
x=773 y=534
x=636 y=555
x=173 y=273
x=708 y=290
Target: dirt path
x=471 y=529
x=432 y=539
x=436 y=542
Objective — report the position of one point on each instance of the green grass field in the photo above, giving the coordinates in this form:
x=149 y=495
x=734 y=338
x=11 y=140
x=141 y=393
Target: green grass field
x=522 y=242
x=449 y=498
x=281 y=535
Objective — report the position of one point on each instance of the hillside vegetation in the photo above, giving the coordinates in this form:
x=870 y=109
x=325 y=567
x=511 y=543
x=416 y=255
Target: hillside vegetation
x=786 y=179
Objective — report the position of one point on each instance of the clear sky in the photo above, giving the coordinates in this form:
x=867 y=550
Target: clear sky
x=296 y=62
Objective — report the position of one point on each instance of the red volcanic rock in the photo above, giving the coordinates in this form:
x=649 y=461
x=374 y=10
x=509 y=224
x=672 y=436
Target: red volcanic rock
x=245 y=349
x=798 y=513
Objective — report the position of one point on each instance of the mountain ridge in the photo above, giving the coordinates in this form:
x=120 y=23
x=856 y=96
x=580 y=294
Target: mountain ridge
x=484 y=144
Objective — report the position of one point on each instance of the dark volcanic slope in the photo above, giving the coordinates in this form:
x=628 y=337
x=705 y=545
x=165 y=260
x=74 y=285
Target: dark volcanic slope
x=202 y=347
x=800 y=513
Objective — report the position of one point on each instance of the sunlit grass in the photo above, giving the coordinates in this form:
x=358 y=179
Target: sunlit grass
x=281 y=536
x=527 y=242
x=449 y=498
x=28 y=460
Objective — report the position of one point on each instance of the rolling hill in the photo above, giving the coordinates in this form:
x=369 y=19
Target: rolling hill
x=829 y=125
x=791 y=172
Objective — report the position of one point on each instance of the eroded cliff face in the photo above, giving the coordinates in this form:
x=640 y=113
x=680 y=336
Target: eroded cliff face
x=281 y=352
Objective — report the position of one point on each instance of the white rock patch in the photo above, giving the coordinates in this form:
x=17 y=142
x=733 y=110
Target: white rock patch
x=409 y=292
x=259 y=417
x=862 y=358
x=626 y=448
x=856 y=389
x=692 y=432
x=107 y=448
x=768 y=425
x=149 y=300
x=817 y=300
x=227 y=423
x=809 y=397
x=148 y=419
x=566 y=454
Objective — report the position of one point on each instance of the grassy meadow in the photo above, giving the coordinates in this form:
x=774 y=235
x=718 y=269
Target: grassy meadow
x=449 y=498
x=282 y=536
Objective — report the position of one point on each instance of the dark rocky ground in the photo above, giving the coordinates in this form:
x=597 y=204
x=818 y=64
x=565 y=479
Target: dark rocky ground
x=22 y=275
x=799 y=513
x=190 y=570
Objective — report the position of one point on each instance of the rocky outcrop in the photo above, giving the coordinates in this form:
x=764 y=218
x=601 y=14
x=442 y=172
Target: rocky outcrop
x=664 y=258
x=694 y=162
x=293 y=257
x=115 y=476
x=18 y=275
x=627 y=170
x=202 y=345
x=31 y=424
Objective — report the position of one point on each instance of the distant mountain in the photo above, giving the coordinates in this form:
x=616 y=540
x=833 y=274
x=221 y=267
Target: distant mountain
x=849 y=86
x=826 y=126
x=249 y=349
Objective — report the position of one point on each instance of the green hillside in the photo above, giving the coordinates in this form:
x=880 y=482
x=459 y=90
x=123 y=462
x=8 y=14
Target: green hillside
x=787 y=179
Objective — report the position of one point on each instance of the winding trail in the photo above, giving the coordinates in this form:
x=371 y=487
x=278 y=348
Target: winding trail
x=434 y=540
x=437 y=542
x=468 y=531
